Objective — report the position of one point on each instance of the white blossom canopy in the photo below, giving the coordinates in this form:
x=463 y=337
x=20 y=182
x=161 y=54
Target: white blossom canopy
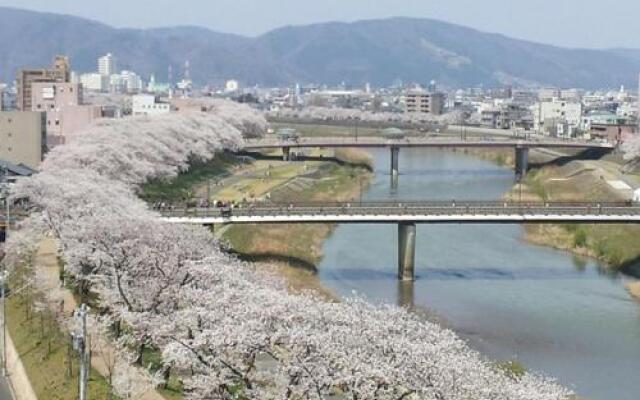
x=228 y=329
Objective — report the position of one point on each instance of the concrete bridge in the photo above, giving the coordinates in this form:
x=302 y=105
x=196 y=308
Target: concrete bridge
x=407 y=214
x=521 y=147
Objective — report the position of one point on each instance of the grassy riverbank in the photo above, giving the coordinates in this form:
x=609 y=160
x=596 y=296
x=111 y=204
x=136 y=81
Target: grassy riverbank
x=616 y=245
x=292 y=251
x=501 y=156
x=182 y=188
x=300 y=243
x=44 y=348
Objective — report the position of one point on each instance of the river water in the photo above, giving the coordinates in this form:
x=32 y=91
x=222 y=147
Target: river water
x=557 y=314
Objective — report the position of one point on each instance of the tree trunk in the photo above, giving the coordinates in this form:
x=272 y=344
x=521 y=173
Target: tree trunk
x=140 y=354
x=69 y=372
x=166 y=374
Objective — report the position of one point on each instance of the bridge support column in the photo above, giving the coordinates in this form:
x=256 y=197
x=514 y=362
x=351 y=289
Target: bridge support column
x=406 y=250
x=394 y=183
x=286 y=154
x=406 y=295
x=395 y=160
x=522 y=162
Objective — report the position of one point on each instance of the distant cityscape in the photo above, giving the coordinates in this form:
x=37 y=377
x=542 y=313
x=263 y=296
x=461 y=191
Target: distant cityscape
x=45 y=106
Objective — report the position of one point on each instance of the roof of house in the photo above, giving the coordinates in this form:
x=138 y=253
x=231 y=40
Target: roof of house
x=16 y=169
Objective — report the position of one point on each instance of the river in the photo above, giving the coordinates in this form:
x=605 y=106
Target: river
x=557 y=314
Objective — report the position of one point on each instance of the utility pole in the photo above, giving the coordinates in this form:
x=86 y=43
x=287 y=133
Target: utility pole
x=356 y=121
x=3 y=273
x=80 y=345
x=5 y=186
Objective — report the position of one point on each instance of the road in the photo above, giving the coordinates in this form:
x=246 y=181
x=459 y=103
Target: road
x=333 y=142
x=5 y=391
x=416 y=212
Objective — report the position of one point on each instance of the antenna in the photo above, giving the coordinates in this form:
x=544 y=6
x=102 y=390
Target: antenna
x=170 y=76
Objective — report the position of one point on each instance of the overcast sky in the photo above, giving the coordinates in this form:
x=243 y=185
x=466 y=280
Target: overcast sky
x=574 y=23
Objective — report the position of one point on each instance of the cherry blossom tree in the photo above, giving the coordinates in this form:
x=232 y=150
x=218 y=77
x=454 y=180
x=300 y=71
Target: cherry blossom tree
x=631 y=149
x=226 y=328
x=348 y=114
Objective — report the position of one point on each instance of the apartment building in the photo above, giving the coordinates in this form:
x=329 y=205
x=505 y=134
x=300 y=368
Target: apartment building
x=59 y=72
x=421 y=101
x=547 y=115
x=22 y=137
x=107 y=65
x=65 y=113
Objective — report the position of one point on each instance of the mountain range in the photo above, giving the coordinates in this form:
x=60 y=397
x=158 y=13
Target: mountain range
x=375 y=51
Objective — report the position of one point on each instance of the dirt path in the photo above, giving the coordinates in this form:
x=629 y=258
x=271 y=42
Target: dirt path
x=103 y=354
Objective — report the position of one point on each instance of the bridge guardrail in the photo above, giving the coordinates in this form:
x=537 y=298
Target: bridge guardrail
x=410 y=208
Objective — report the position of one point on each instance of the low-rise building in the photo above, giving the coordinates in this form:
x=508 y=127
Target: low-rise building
x=65 y=113
x=548 y=94
x=157 y=87
x=610 y=127
x=52 y=96
x=144 y=104
x=548 y=114
x=505 y=115
x=22 y=137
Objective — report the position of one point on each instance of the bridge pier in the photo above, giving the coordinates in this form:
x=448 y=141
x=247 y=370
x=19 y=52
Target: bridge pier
x=522 y=162
x=286 y=154
x=406 y=295
x=394 y=183
x=395 y=160
x=406 y=250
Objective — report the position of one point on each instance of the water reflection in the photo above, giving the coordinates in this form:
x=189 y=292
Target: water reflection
x=580 y=263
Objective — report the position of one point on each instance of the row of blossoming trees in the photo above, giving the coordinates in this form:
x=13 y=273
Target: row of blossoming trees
x=351 y=114
x=227 y=329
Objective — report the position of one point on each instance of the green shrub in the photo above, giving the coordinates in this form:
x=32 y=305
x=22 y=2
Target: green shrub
x=580 y=237
x=513 y=369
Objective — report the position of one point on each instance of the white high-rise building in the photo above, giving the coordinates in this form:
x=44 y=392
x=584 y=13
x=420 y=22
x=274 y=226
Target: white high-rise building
x=130 y=82
x=95 y=82
x=107 y=65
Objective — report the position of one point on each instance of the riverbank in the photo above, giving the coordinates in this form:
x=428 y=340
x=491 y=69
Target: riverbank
x=291 y=251
x=300 y=244
x=634 y=289
x=582 y=180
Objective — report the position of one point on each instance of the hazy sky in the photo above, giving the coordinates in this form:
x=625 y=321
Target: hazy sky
x=576 y=23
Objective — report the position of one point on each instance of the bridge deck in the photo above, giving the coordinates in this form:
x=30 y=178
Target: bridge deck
x=419 y=142
x=418 y=212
